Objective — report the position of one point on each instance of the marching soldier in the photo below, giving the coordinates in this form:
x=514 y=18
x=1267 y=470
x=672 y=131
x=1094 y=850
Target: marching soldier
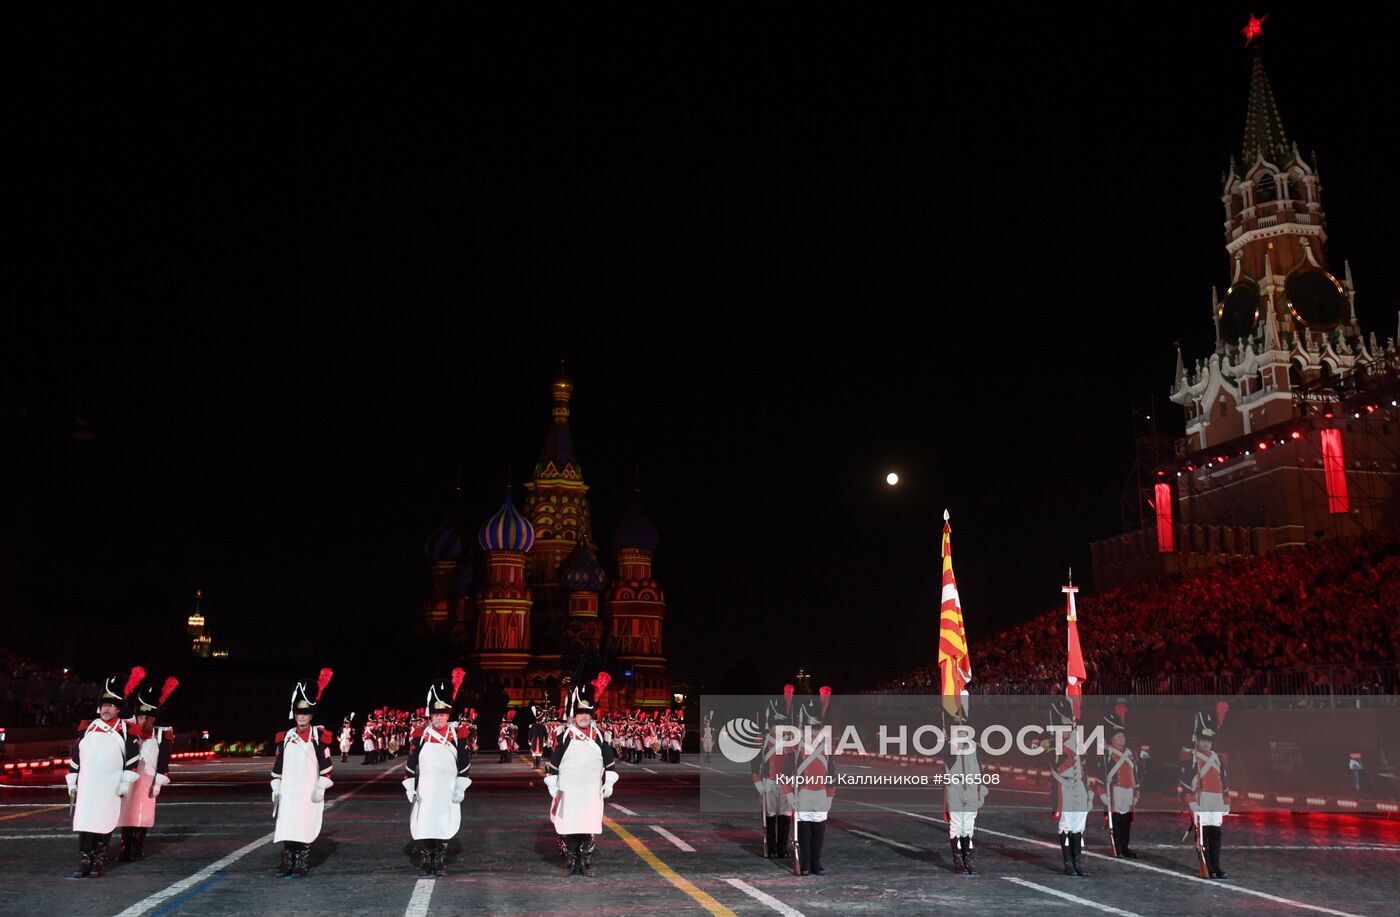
x=505 y=737
x=347 y=737
x=1072 y=799
x=707 y=736
x=814 y=784
x=367 y=739
x=1121 y=785
x=300 y=777
x=768 y=765
x=963 y=795
x=1203 y=787
x=580 y=776
x=438 y=761
x=152 y=771
x=101 y=772
x=537 y=735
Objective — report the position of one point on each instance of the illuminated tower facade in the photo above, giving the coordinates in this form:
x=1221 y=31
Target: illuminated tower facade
x=636 y=611
x=201 y=641
x=503 y=602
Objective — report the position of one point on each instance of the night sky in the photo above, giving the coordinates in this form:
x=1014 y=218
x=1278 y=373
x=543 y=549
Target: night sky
x=290 y=283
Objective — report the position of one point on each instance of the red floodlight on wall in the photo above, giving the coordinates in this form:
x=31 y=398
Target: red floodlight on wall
x=1166 y=532
x=1334 y=471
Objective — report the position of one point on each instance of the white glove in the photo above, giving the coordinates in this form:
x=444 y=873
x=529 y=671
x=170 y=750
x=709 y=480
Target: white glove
x=609 y=778
x=276 y=789
x=459 y=789
x=410 y=787
x=71 y=778
x=551 y=783
x=763 y=786
x=318 y=795
x=159 y=781
x=125 y=782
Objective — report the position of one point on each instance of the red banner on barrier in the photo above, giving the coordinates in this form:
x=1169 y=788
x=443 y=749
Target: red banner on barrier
x=1334 y=470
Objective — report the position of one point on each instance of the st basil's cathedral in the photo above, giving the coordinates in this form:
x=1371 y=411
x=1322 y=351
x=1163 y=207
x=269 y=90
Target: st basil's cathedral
x=521 y=603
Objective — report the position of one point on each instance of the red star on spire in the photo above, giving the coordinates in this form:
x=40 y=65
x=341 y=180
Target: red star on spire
x=1254 y=29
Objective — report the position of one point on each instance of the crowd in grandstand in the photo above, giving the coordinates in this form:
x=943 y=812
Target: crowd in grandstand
x=36 y=695
x=1331 y=604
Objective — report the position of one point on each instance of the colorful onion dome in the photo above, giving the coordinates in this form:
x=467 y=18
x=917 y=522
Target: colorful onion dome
x=583 y=573
x=507 y=531
x=444 y=545
x=635 y=531
x=466 y=576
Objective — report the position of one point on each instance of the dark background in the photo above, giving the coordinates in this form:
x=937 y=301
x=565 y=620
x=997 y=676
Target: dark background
x=272 y=283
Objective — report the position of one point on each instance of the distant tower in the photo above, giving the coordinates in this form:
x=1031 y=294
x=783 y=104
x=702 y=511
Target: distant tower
x=503 y=600
x=636 y=608
x=201 y=642
x=556 y=504
x=583 y=579
x=452 y=572
x=1262 y=410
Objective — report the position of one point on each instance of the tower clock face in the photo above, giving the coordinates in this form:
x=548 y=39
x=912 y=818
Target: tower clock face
x=1315 y=299
x=1240 y=311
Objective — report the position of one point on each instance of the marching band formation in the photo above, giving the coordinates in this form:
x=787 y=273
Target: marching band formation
x=120 y=766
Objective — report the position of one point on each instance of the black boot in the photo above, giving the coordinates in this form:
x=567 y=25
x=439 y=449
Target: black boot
x=138 y=853
x=816 y=837
x=99 y=856
x=84 y=856
x=1064 y=851
x=783 y=836
x=440 y=859
x=967 y=857
x=804 y=848
x=1126 y=850
x=770 y=837
x=300 y=867
x=585 y=856
x=284 y=866
x=425 y=859
x=575 y=855
x=1213 y=843
x=1076 y=847
x=128 y=843
x=956 y=844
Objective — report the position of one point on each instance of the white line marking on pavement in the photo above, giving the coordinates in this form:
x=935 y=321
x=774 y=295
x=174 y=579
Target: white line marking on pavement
x=1138 y=864
x=765 y=898
x=688 y=764
x=673 y=839
x=145 y=904
x=422 y=894
x=1068 y=897
x=648 y=770
x=623 y=809
x=885 y=840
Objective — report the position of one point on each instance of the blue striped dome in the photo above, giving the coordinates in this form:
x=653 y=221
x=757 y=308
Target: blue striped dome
x=584 y=573
x=444 y=545
x=507 y=531
x=635 y=530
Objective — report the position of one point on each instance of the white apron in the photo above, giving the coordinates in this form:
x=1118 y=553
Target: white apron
x=578 y=809
x=102 y=758
x=298 y=818
x=345 y=742
x=138 y=805
x=435 y=816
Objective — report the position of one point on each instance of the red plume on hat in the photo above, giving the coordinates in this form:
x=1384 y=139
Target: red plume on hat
x=788 y=692
x=600 y=684
x=138 y=675
x=825 y=692
x=458 y=675
x=321 y=681
x=1221 y=708
x=168 y=688
x=1122 y=711
x=510 y=715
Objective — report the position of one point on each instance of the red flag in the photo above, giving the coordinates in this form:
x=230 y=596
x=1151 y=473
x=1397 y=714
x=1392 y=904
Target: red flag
x=1074 y=668
x=954 y=663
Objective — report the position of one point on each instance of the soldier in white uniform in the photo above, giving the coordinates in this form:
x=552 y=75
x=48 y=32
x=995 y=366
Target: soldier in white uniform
x=152 y=772
x=437 y=781
x=300 y=777
x=579 y=776
x=768 y=764
x=814 y=785
x=347 y=737
x=1203 y=787
x=1072 y=789
x=1120 y=780
x=101 y=772
x=963 y=795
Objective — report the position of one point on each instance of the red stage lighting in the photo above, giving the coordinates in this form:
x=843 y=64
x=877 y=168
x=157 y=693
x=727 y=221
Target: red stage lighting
x=1296 y=435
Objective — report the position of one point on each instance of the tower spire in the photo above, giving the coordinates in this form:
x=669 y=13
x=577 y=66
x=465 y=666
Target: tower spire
x=1263 y=125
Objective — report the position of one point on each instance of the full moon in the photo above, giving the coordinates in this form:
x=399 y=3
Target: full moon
x=891 y=479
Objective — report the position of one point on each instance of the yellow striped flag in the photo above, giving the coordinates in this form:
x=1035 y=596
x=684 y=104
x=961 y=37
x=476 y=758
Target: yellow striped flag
x=954 y=664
